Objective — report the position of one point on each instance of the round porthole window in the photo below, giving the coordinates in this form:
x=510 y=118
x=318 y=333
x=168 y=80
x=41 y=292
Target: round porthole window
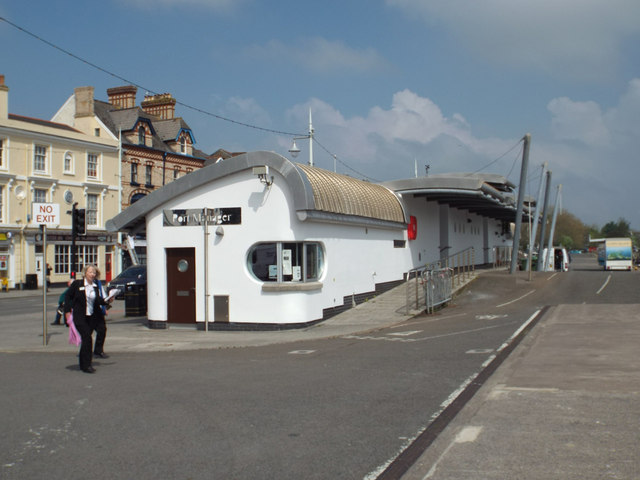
x=183 y=266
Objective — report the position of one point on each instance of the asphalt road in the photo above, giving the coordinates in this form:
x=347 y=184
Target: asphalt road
x=340 y=408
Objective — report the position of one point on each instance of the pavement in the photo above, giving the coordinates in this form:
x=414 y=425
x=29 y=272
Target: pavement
x=565 y=404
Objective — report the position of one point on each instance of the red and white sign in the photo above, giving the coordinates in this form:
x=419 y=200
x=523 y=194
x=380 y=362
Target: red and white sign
x=46 y=213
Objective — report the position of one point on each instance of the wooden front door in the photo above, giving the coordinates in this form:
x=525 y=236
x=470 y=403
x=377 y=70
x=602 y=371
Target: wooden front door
x=181 y=285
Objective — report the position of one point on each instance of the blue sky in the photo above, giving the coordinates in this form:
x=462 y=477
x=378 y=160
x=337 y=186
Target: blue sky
x=447 y=83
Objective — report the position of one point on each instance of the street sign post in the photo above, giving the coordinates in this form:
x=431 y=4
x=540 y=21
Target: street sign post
x=45 y=214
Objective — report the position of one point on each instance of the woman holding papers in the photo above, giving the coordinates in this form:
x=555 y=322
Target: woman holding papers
x=84 y=300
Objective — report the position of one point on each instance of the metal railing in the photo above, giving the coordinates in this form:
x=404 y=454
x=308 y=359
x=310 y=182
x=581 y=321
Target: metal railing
x=414 y=290
x=437 y=288
x=501 y=257
x=462 y=263
x=424 y=289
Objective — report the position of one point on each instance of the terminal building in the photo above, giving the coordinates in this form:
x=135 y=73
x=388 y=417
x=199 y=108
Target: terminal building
x=263 y=242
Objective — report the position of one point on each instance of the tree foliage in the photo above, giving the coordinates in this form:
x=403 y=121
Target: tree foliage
x=621 y=228
x=572 y=233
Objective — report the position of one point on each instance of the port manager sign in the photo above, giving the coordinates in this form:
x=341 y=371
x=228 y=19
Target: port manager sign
x=46 y=213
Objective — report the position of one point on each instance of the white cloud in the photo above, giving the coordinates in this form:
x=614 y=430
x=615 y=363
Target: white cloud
x=581 y=121
x=574 y=38
x=318 y=55
x=625 y=118
x=592 y=150
x=594 y=155
x=412 y=128
x=586 y=122
x=246 y=110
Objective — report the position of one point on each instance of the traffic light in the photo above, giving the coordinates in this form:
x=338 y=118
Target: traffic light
x=79 y=221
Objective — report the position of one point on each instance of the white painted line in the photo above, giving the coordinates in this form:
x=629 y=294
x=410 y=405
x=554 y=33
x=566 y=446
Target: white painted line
x=517 y=332
x=488 y=361
x=514 y=301
x=552 y=276
x=376 y=473
x=301 y=352
x=437 y=319
x=604 y=286
x=467 y=434
x=422 y=339
x=489 y=317
x=405 y=334
x=479 y=351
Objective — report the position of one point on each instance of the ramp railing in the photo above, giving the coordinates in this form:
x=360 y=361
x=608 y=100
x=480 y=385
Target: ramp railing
x=462 y=263
x=424 y=285
x=501 y=257
x=437 y=288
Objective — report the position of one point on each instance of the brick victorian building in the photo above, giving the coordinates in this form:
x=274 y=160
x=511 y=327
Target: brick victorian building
x=156 y=146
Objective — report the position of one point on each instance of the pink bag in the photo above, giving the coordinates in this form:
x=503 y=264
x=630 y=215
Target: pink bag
x=74 y=335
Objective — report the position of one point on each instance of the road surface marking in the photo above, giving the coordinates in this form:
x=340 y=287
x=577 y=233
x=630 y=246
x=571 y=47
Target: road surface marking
x=466 y=435
x=514 y=301
x=409 y=340
x=604 y=286
x=517 y=332
x=301 y=352
x=405 y=334
x=489 y=317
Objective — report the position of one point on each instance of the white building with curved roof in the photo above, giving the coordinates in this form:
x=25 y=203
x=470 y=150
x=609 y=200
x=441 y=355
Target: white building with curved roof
x=262 y=241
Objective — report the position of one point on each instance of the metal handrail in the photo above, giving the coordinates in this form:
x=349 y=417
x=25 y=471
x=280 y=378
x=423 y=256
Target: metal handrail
x=438 y=287
x=414 y=289
x=462 y=263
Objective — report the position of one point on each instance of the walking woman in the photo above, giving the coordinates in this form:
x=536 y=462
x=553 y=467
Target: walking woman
x=85 y=301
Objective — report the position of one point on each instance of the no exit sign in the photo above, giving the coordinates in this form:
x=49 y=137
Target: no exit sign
x=46 y=213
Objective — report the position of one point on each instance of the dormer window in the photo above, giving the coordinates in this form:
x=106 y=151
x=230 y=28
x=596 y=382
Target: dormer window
x=183 y=144
x=141 y=135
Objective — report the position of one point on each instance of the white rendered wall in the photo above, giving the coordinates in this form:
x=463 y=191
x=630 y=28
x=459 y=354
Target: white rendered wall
x=426 y=247
x=356 y=258
x=465 y=231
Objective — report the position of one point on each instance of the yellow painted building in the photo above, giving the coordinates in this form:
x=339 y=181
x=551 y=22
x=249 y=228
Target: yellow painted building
x=53 y=163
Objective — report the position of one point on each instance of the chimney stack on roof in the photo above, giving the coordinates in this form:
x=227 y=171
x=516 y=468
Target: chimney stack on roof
x=162 y=105
x=122 y=97
x=4 y=99
x=84 y=101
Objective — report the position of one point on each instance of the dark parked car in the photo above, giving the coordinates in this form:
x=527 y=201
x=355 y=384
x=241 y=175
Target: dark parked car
x=134 y=275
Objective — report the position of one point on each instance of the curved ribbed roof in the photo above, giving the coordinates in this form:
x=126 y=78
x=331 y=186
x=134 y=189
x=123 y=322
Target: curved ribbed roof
x=318 y=195
x=335 y=193
x=485 y=194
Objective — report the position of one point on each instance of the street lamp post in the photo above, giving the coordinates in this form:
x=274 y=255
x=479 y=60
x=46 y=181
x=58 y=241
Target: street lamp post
x=295 y=151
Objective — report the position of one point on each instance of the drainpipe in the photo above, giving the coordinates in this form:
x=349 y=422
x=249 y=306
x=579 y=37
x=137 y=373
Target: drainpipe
x=164 y=166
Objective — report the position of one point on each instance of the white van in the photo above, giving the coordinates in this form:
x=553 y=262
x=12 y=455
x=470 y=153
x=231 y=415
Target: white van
x=558 y=261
